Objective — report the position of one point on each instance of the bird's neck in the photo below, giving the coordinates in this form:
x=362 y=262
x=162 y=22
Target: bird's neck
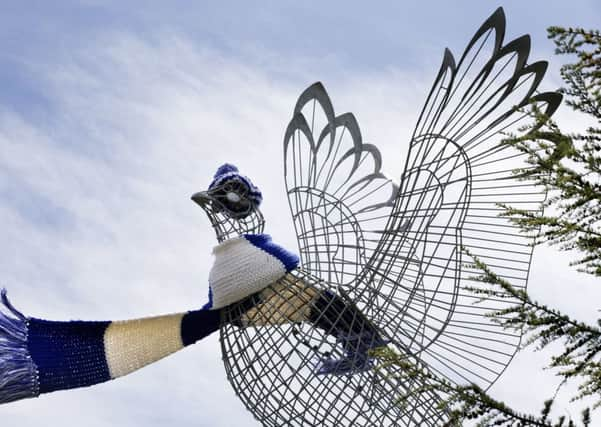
x=227 y=228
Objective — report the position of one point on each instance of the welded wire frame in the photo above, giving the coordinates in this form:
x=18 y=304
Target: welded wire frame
x=458 y=174
x=225 y=227
x=230 y=219
x=274 y=369
x=398 y=253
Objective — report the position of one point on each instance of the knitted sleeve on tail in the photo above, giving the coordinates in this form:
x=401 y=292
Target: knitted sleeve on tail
x=40 y=356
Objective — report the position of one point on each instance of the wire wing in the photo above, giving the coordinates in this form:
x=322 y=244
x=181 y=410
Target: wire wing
x=340 y=200
x=457 y=173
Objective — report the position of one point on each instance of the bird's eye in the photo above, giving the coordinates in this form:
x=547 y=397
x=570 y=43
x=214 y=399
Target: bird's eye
x=232 y=197
x=237 y=187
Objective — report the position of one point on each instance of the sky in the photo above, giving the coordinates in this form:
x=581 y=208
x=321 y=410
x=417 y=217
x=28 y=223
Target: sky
x=111 y=116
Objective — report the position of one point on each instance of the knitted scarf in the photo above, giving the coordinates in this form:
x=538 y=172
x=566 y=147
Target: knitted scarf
x=40 y=356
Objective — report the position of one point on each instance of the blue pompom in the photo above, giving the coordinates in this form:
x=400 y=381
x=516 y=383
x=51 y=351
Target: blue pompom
x=225 y=168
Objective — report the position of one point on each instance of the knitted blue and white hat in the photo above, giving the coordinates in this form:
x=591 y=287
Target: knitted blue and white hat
x=228 y=172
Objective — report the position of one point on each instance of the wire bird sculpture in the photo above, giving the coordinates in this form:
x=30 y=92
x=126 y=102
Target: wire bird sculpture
x=381 y=264
x=395 y=253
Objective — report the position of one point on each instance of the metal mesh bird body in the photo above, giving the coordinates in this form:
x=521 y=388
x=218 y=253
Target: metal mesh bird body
x=393 y=255
x=272 y=352
x=382 y=263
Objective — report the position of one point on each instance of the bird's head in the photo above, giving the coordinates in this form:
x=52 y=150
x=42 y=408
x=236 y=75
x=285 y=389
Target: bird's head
x=232 y=204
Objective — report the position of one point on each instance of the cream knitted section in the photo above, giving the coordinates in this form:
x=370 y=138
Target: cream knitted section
x=287 y=300
x=241 y=269
x=132 y=344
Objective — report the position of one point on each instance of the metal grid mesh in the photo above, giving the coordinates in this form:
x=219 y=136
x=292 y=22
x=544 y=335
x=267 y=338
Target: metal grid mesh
x=275 y=373
x=392 y=254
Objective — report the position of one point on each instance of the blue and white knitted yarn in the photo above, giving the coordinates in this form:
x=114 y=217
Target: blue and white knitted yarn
x=227 y=172
x=40 y=356
x=246 y=265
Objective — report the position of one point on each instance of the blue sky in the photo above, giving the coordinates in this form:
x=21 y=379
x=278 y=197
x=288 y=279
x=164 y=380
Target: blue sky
x=112 y=116
x=356 y=34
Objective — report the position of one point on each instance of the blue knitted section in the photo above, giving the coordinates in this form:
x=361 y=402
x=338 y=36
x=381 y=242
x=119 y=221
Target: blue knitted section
x=225 y=168
x=351 y=329
x=209 y=305
x=68 y=354
x=198 y=324
x=264 y=242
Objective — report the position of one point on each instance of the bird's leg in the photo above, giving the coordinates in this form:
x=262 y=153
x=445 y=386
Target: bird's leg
x=40 y=356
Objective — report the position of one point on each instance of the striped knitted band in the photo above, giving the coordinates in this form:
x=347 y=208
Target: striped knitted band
x=40 y=356
x=245 y=265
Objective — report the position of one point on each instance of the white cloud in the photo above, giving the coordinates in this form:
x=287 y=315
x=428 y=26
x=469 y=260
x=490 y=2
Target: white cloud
x=97 y=221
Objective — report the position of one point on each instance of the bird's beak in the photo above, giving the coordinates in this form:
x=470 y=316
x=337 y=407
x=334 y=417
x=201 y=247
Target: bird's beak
x=202 y=198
